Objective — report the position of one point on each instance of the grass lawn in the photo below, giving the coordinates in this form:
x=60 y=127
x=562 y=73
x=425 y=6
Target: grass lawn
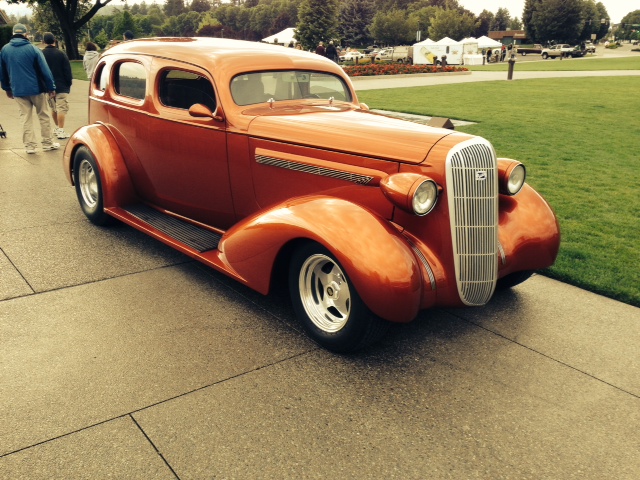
x=77 y=70
x=588 y=63
x=580 y=141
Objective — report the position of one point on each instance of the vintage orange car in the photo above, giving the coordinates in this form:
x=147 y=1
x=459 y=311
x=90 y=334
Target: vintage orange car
x=256 y=159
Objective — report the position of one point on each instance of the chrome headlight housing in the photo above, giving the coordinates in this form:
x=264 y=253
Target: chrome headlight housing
x=424 y=197
x=512 y=176
x=413 y=192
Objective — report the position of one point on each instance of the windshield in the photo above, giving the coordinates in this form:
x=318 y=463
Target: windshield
x=258 y=87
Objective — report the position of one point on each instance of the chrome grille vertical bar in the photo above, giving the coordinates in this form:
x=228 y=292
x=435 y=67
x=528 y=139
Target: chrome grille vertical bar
x=472 y=189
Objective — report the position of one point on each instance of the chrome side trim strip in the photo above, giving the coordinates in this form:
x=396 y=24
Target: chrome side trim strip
x=314 y=170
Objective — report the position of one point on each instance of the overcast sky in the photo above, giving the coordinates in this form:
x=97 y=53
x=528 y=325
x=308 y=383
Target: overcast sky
x=616 y=8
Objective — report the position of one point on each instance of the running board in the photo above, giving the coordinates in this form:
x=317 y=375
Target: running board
x=197 y=238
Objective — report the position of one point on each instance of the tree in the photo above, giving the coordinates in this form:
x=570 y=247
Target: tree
x=123 y=23
x=530 y=9
x=629 y=26
x=355 y=17
x=501 y=20
x=317 y=20
x=392 y=27
x=515 y=24
x=71 y=17
x=452 y=24
x=200 y=6
x=421 y=19
x=484 y=22
x=557 y=20
x=173 y=8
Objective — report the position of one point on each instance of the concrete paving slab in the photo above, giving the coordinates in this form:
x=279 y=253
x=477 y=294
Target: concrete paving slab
x=446 y=399
x=12 y=283
x=593 y=334
x=72 y=253
x=79 y=356
x=116 y=449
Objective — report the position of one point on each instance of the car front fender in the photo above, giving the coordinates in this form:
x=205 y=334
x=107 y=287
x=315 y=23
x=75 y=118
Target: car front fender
x=374 y=254
x=117 y=188
x=529 y=232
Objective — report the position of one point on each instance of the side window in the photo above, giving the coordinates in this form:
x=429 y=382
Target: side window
x=131 y=80
x=181 y=89
x=103 y=76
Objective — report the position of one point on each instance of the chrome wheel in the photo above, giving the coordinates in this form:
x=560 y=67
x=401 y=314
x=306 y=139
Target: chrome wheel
x=324 y=293
x=88 y=184
x=86 y=176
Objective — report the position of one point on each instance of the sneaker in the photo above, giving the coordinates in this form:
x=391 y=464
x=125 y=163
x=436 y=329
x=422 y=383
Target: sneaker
x=31 y=150
x=60 y=133
x=53 y=146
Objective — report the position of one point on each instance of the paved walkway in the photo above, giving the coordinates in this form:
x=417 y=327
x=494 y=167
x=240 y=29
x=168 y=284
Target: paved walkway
x=121 y=358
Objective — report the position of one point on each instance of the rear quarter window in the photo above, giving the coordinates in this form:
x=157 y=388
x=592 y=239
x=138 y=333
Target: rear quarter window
x=131 y=80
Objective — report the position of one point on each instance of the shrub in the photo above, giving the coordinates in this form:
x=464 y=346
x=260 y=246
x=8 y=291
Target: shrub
x=397 y=69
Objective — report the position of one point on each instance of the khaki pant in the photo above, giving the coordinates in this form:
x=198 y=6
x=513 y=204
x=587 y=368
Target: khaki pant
x=26 y=104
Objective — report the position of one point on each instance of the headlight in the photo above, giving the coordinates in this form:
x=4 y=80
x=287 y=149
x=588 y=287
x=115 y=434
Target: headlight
x=413 y=192
x=512 y=176
x=424 y=197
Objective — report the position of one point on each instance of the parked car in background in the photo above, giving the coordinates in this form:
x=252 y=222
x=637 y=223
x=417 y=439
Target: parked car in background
x=557 y=51
x=260 y=162
x=578 y=51
x=401 y=54
x=524 y=50
x=589 y=47
x=352 y=56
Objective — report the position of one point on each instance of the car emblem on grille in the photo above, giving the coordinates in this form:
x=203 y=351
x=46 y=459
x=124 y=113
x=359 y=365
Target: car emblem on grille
x=481 y=175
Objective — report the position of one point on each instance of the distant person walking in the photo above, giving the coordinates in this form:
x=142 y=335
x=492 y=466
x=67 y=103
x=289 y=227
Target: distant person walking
x=26 y=77
x=61 y=71
x=128 y=35
x=320 y=50
x=90 y=59
x=332 y=52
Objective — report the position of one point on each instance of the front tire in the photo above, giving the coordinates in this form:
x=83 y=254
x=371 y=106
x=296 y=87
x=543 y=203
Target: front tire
x=328 y=305
x=513 y=279
x=545 y=56
x=89 y=187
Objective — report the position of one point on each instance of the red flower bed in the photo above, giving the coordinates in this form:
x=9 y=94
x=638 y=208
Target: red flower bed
x=396 y=69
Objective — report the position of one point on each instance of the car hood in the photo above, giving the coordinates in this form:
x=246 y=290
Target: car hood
x=346 y=129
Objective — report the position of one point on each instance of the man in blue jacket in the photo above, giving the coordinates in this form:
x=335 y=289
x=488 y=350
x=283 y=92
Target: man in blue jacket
x=26 y=77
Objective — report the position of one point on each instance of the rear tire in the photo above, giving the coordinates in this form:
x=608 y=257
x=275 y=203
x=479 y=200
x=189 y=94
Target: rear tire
x=89 y=187
x=545 y=56
x=328 y=305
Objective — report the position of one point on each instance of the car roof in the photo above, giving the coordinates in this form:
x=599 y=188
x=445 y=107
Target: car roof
x=225 y=56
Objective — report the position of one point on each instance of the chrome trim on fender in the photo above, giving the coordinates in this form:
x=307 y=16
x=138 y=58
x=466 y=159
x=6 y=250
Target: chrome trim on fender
x=423 y=260
x=314 y=170
x=472 y=192
x=503 y=257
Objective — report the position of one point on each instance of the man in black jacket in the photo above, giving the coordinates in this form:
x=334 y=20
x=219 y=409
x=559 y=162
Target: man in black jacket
x=61 y=70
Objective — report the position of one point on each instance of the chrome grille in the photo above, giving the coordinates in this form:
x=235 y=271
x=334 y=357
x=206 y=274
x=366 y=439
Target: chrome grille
x=472 y=189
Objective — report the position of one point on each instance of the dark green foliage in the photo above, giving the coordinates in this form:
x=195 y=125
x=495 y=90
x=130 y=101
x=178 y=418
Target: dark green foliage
x=355 y=18
x=317 y=21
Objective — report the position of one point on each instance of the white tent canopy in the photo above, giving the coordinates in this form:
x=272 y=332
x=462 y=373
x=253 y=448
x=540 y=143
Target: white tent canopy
x=282 y=38
x=447 y=41
x=486 y=42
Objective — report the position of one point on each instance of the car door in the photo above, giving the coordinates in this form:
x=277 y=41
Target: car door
x=183 y=158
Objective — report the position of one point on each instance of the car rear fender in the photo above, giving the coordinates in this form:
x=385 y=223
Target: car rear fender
x=377 y=258
x=117 y=188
